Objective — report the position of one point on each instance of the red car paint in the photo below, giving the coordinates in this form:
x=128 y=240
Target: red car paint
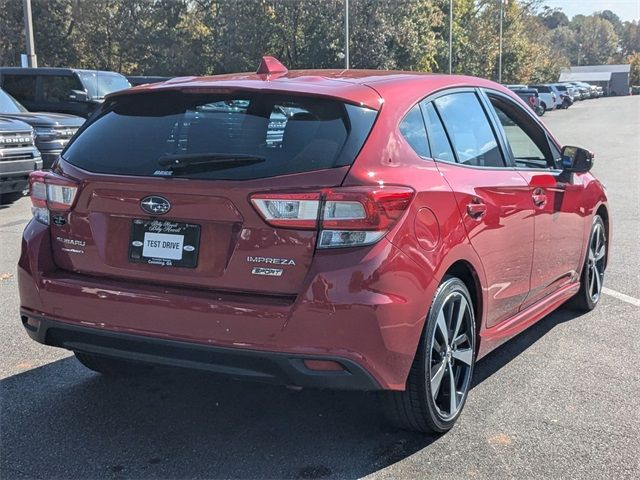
x=365 y=304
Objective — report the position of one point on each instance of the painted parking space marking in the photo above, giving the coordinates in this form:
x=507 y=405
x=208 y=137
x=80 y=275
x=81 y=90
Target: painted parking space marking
x=621 y=296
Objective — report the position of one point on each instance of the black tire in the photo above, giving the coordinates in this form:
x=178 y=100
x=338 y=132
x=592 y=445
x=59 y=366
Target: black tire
x=539 y=110
x=543 y=106
x=416 y=408
x=111 y=367
x=9 y=198
x=585 y=300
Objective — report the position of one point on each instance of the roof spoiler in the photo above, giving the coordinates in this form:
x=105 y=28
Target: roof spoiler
x=270 y=66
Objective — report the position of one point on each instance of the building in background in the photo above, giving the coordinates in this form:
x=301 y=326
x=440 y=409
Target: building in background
x=614 y=79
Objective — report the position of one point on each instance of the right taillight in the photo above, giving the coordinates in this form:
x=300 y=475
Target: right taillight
x=345 y=216
x=49 y=191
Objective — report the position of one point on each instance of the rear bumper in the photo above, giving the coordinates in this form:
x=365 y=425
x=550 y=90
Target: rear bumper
x=363 y=309
x=269 y=367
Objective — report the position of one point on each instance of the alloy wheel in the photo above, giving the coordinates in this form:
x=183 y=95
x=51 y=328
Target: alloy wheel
x=595 y=263
x=451 y=355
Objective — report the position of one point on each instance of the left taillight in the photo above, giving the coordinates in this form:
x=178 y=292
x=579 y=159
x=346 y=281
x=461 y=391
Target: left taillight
x=49 y=191
x=344 y=217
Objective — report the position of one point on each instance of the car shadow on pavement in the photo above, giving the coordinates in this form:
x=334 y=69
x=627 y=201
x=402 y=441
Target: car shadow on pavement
x=61 y=420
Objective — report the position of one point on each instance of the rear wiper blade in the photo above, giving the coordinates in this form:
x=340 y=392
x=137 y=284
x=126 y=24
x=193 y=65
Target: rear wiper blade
x=207 y=161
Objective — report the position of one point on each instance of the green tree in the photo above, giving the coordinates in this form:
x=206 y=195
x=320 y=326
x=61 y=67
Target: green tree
x=630 y=40
x=599 y=40
x=11 y=32
x=553 y=18
x=634 y=60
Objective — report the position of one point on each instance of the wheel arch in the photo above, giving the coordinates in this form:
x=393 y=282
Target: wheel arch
x=603 y=212
x=466 y=272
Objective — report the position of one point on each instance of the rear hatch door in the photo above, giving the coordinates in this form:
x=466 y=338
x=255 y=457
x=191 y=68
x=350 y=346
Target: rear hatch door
x=166 y=180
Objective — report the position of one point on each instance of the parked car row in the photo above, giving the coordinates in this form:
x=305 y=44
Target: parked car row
x=40 y=110
x=550 y=96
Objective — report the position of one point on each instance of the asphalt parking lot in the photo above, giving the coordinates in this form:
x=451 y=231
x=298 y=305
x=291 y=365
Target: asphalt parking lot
x=559 y=401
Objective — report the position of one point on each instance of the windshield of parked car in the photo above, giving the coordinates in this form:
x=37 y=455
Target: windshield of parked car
x=100 y=84
x=8 y=104
x=232 y=136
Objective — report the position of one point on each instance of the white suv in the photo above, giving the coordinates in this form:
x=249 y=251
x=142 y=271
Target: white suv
x=548 y=99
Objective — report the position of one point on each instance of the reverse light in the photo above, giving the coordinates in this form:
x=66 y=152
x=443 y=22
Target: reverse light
x=49 y=191
x=345 y=216
x=295 y=210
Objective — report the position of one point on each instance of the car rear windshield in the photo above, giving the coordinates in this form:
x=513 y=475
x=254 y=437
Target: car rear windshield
x=229 y=137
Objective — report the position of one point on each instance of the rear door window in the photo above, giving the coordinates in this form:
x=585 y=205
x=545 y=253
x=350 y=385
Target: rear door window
x=21 y=87
x=469 y=129
x=56 y=88
x=234 y=137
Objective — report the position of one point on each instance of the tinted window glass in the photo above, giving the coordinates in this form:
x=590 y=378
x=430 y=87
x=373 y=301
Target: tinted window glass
x=438 y=141
x=412 y=128
x=21 y=87
x=135 y=134
x=99 y=84
x=56 y=88
x=522 y=147
x=469 y=130
x=527 y=141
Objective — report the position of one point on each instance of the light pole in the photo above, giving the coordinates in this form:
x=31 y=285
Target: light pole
x=32 y=60
x=450 y=34
x=346 y=34
x=500 y=48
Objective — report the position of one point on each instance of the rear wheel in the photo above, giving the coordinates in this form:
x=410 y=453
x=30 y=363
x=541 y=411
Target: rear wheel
x=440 y=377
x=540 y=110
x=543 y=106
x=592 y=277
x=112 y=367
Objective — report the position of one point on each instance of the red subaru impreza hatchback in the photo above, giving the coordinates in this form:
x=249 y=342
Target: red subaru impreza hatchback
x=340 y=229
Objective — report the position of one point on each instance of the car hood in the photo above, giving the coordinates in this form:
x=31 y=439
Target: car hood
x=41 y=119
x=8 y=125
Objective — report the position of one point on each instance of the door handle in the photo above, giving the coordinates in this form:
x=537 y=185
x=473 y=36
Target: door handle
x=476 y=209
x=539 y=197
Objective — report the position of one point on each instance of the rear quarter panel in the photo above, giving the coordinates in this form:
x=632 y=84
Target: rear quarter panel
x=431 y=233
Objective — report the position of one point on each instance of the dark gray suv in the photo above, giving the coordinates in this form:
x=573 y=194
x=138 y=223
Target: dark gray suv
x=62 y=90
x=52 y=130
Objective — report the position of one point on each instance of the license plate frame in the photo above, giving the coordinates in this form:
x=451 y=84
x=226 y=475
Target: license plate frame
x=148 y=229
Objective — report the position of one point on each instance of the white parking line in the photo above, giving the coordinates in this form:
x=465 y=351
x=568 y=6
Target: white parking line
x=621 y=296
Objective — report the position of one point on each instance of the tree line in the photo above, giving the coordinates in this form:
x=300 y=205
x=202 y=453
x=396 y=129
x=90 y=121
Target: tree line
x=195 y=37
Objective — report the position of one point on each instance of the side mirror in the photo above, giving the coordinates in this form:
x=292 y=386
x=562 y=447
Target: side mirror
x=78 y=96
x=576 y=159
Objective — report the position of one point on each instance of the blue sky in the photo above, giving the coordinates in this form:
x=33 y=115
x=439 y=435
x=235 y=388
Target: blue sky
x=625 y=9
